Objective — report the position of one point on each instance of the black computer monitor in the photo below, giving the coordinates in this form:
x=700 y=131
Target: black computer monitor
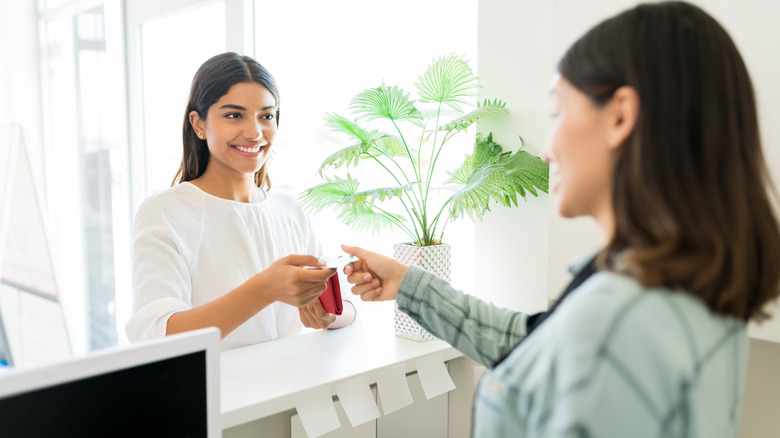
x=163 y=388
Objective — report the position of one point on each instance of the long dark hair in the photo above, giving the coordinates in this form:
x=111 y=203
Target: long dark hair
x=691 y=189
x=212 y=81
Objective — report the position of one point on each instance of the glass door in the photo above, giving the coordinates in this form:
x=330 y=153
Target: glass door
x=85 y=157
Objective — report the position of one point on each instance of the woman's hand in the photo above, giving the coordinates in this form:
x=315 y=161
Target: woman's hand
x=376 y=277
x=287 y=282
x=314 y=316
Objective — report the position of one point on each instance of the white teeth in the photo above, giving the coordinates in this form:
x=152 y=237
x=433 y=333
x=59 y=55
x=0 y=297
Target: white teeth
x=250 y=150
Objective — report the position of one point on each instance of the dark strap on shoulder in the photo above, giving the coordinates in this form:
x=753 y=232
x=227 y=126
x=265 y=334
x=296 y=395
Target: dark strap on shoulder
x=537 y=319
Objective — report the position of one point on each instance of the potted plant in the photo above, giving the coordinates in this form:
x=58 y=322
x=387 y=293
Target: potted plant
x=408 y=152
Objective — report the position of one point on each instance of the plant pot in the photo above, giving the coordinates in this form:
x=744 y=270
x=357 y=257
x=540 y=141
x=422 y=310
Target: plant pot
x=436 y=259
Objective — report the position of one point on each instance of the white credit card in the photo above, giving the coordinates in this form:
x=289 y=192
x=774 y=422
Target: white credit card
x=338 y=261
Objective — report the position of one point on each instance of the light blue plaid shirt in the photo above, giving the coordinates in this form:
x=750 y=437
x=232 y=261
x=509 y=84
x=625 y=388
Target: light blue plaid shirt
x=614 y=360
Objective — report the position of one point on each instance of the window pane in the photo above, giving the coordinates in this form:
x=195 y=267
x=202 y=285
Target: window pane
x=32 y=329
x=172 y=49
x=322 y=54
x=47 y=5
x=87 y=159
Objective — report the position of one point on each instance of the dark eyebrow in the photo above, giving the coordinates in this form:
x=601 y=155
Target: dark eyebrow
x=241 y=108
x=235 y=107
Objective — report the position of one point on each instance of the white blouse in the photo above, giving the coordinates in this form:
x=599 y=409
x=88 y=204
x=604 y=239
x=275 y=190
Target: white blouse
x=190 y=247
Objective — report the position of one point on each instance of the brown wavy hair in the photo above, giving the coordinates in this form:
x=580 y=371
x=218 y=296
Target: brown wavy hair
x=212 y=81
x=691 y=190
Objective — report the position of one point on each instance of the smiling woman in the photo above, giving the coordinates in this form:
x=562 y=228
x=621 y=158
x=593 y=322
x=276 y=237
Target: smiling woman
x=217 y=249
x=239 y=130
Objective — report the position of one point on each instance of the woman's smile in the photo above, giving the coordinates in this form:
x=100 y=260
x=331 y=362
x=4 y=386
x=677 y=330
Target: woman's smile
x=249 y=149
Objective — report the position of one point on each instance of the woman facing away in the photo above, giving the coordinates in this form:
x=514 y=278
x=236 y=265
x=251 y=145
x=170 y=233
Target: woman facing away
x=656 y=137
x=218 y=248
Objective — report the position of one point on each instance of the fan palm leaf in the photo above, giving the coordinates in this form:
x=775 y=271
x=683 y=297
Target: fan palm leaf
x=461 y=174
x=524 y=172
x=448 y=80
x=473 y=197
x=490 y=173
x=365 y=218
x=349 y=155
x=337 y=191
x=343 y=193
x=338 y=123
x=385 y=102
x=368 y=197
x=486 y=152
x=483 y=110
x=390 y=146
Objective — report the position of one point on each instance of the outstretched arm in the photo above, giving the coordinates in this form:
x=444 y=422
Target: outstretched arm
x=480 y=330
x=283 y=281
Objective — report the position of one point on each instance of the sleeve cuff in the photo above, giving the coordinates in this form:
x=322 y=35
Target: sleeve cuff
x=415 y=281
x=151 y=321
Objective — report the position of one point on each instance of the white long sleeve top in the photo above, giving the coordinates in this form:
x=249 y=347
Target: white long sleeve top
x=190 y=247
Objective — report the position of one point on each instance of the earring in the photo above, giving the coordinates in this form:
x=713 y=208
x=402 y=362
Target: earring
x=200 y=136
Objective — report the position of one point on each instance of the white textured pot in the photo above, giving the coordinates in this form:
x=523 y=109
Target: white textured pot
x=436 y=259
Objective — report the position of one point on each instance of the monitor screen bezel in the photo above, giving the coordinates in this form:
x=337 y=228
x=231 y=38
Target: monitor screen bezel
x=20 y=381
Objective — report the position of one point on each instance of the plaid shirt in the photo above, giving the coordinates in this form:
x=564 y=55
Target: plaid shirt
x=615 y=360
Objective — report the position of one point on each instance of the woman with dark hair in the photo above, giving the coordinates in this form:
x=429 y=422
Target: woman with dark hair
x=656 y=137
x=218 y=248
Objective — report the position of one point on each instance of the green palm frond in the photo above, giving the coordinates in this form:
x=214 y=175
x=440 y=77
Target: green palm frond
x=490 y=173
x=364 y=218
x=335 y=192
x=368 y=197
x=461 y=174
x=486 y=152
x=390 y=146
x=525 y=172
x=338 y=123
x=387 y=103
x=448 y=80
x=349 y=155
x=483 y=110
x=473 y=198
x=477 y=179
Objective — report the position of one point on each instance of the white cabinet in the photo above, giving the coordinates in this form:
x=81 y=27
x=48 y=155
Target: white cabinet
x=259 y=382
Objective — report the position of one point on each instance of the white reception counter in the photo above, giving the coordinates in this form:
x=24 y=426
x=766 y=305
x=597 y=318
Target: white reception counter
x=259 y=383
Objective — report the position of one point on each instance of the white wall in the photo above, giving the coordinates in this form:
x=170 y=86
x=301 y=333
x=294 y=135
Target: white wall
x=762 y=402
x=514 y=64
